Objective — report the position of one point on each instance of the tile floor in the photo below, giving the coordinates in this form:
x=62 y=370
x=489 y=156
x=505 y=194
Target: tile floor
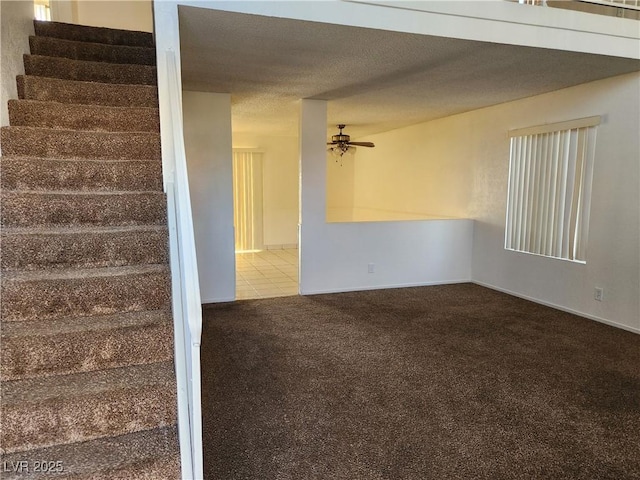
x=267 y=273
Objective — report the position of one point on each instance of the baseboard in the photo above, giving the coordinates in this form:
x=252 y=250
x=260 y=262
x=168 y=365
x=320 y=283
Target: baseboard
x=559 y=307
x=204 y=301
x=383 y=287
x=285 y=246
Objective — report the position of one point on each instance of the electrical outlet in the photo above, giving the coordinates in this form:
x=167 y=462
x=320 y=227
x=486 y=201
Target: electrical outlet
x=598 y=294
x=371 y=268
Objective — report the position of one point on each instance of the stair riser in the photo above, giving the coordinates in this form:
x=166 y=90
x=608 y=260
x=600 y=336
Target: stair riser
x=83 y=250
x=36 y=356
x=23 y=173
x=67 y=69
x=42 y=299
x=50 y=210
x=86 y=93
x=93 y=34
x=46 y=143
x=83 y=117
x=87 y=417
x=93 y=52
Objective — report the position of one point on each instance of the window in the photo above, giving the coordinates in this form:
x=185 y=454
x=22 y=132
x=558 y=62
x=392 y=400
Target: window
x=42 y=10
x=247 y=200
x=550 y=173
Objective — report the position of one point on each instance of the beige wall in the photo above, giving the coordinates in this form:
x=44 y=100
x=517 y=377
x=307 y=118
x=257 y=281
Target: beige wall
x=416 y=170
x=412 y=173
x=124 y=14
x=340 y=188
x=280 y=186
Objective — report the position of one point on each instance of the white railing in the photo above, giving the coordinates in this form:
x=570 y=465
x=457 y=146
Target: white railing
x=628 y=4
x=187 y=310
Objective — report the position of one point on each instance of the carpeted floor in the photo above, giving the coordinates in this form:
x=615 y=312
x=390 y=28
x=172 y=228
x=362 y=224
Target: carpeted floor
x=444 y=382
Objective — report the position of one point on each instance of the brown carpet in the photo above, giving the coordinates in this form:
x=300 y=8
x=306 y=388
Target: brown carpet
x=87 y=377
x=439 y=382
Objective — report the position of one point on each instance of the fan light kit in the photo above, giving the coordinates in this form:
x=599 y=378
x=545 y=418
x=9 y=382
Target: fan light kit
x=341 y=144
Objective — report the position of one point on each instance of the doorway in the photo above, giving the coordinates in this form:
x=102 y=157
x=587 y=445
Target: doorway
x=264 y=268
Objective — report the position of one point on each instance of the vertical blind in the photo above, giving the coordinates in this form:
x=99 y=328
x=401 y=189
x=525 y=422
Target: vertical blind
x=549 y=196
x=247 y=200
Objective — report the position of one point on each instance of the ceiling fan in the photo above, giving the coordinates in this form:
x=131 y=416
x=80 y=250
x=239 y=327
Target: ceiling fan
x=341 y=143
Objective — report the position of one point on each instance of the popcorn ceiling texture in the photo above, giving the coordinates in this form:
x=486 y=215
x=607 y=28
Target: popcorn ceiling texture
x=87 y=333
x=374 y=80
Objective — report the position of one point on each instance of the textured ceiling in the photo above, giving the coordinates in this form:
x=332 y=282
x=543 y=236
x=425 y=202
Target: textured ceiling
x=374 y=80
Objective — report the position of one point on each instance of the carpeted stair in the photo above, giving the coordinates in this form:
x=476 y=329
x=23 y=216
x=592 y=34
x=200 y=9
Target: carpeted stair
x=87 y=333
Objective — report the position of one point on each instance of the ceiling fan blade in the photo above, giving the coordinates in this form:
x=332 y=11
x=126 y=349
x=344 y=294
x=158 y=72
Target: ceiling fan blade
x=362 y=144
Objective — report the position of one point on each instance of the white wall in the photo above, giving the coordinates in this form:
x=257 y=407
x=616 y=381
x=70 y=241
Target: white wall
x=207 y=137
x=458 y=166
x=279 y=186
x=335 y=256
x=123 y=14
x=16 y=24
x=613 y=252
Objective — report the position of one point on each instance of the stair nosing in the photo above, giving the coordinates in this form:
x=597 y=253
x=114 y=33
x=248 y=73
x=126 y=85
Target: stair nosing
x=77 y=159
x=118 y=45
x=71 y=273
x=81 y=229
x=89 y=82
x=65 y=325
x=66 y=130
x=79 y=105
x=56 y=387
x=100 y=193
x=139 y=65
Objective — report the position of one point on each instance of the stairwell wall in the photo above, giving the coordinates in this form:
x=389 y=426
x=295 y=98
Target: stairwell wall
x=16 y=24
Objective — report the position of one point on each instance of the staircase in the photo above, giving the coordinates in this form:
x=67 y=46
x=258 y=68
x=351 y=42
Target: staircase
x=88 y=380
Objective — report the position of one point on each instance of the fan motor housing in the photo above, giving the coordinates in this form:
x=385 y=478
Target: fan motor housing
x=340 y=138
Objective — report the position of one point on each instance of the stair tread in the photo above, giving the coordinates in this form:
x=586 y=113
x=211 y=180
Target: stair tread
x=49 y=328
x=63 y=131
x=88 y=229
x=86 y=70
x=86 y=193
x=72 y=160
x=81 y=106
x=65 y=143
x=105 y=454
x=78 y=117
x=114 y=94
x=109 y=36
x=90 y=50
x=58 y=387
x=77 y=273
